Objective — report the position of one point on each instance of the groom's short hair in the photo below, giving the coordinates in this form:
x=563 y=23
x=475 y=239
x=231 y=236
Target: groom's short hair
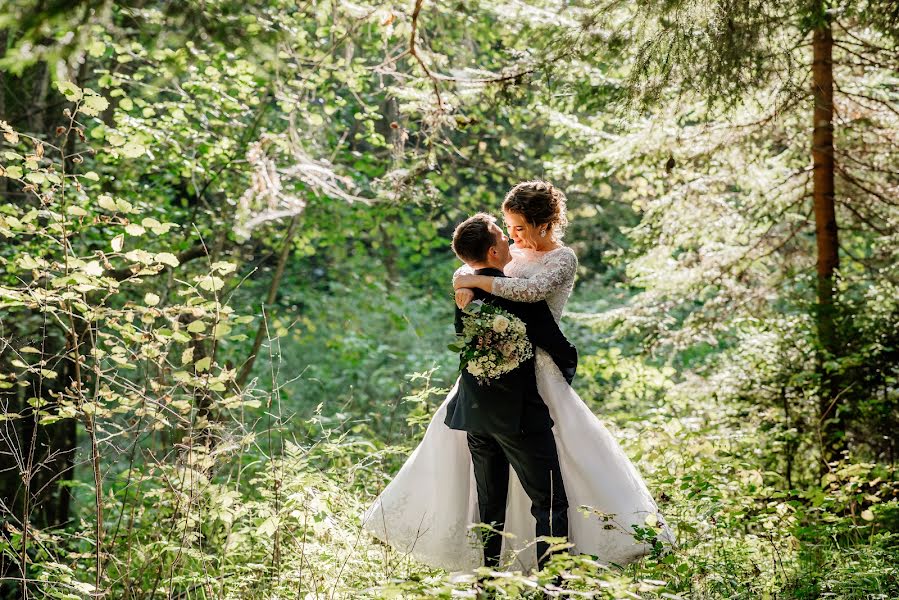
x=473 y=238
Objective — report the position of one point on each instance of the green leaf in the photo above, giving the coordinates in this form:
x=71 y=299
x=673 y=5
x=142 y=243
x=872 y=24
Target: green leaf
x=92 y=176
x=76 y=211
x=151 y=299
x=96 y=48
x=93 y=103
x=106 y=201
x=162 y=228
x=474 y=307
x=203 y=364
x=93 y=268
x=211 y=283
x=223 y=267
x=187 y=355
x=141 y=256
x=14 y=172
x=118 y=243
x=268 y=527
x=116 y=139
x=83 y=587
x=181 y=405
x=134 y=229
x=26 y=261
x=133 y=150
x=196 y=327
x=71 y=91
x=167 y=258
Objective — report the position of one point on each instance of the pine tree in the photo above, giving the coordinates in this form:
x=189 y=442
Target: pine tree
x=725 y=51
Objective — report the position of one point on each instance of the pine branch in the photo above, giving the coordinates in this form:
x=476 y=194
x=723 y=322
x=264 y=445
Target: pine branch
x=860 y=184
x=864 y=165
x=866 y=60
x=885 y=103
x=889 y=52
x=862 y=218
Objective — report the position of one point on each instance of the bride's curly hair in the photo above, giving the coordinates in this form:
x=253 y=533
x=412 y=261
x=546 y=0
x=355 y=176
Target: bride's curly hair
x=540 y=204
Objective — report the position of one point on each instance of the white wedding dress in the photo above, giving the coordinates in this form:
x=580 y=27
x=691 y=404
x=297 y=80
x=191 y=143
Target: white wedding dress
x=429 y=507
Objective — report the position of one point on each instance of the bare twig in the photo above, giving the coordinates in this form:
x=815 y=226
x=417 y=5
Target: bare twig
x=414 y=52
x=272 y=293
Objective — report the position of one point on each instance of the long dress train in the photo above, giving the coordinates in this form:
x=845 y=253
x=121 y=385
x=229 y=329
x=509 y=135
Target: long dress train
x=427 y=510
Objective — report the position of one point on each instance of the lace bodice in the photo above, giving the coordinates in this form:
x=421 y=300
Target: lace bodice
x=533 y=276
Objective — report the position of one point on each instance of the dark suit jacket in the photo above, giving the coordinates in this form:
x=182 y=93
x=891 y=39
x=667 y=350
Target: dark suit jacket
x=511 y=403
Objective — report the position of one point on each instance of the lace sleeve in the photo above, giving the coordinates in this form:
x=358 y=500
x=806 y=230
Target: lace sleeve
x=463 y=270
x=557 y=273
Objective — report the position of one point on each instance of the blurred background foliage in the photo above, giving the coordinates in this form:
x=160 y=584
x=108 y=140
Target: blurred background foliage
x=225 y=288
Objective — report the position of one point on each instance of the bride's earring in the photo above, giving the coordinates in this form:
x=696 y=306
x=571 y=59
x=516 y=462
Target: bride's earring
x=543 y=233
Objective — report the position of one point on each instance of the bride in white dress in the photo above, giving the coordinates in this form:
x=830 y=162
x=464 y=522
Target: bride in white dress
x=429 y=507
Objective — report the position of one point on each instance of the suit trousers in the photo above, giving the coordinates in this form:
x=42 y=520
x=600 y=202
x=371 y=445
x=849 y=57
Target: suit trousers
x=536 y=462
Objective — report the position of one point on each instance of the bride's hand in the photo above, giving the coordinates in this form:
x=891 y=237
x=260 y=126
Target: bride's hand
x=463 y=297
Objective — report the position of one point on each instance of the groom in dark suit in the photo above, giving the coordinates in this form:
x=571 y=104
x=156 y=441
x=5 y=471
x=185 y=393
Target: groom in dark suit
x=506 y=420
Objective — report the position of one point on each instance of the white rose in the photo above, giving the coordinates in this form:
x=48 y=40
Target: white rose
x=500 y=323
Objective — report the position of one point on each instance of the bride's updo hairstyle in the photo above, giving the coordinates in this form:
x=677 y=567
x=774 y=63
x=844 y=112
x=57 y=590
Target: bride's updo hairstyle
x=539 y=203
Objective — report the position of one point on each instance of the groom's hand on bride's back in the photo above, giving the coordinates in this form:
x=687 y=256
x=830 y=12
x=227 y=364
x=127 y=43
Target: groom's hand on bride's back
x=544 y=332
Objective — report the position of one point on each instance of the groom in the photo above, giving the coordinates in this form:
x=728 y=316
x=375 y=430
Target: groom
x=506 y=420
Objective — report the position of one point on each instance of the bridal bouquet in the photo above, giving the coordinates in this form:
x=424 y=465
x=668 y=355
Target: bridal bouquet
x=493 y=341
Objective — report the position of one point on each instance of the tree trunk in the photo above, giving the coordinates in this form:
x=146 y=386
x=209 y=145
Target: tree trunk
x=826 y=236
x=4 y=182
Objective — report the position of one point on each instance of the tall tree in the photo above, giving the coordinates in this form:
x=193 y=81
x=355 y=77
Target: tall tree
x=781 y=55
x=826 y=235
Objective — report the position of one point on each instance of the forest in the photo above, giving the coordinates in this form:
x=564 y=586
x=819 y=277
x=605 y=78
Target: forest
x=226 y=292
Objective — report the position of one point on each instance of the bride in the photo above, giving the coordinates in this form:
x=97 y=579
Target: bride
x=430 y=506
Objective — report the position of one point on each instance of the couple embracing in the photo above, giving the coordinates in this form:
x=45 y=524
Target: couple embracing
x=521 y=454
